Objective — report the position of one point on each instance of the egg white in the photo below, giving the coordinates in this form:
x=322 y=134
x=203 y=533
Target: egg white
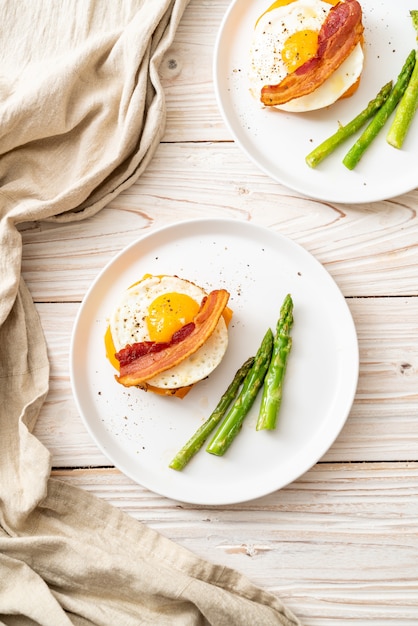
x=268 y=68
x=128 y=325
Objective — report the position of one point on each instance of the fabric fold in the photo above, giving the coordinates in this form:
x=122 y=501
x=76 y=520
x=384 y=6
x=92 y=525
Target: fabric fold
x=24 y=378
x=105 y=562
x=82 y=113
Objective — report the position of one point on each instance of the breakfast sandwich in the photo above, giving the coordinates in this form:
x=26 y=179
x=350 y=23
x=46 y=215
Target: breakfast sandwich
x=166 y=334
x=306 y=54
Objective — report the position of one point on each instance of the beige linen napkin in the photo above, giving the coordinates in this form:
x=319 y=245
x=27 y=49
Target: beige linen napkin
x=82 y=111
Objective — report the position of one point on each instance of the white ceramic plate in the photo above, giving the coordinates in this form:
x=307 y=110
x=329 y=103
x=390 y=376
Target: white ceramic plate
x=140 y=432
x=278 y=142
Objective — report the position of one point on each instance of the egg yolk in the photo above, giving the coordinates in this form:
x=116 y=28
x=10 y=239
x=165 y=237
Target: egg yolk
x=299 y=48
x=168 y=313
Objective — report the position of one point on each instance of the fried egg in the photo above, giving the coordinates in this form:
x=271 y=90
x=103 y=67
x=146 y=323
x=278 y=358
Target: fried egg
x=285 y=37
x=153 y=310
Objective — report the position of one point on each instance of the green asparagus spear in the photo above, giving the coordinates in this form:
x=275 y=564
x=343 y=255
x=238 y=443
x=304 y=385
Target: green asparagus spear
x=414 y=16
x=328 y=146
x=354 y=155
x=273 y=381
x=232 y=423
x=408 y=104
x=197 y=440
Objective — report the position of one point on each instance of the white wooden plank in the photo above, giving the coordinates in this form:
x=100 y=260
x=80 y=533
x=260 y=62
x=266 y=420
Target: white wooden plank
x=370 y=250
x=192 y=112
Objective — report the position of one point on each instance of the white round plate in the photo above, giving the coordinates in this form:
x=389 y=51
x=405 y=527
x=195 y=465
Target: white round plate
x=141 y=432
x=278 y=142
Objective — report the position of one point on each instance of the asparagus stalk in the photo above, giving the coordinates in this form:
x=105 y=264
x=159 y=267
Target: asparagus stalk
x=408 y=104
x=273 y=381
x=328 y=146
x=354 y=155
x=197 y=440
x=232 y=423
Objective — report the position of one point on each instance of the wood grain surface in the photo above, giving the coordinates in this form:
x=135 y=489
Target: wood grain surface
x=340 y=544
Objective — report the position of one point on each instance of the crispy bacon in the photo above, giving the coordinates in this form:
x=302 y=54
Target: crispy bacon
x=341 y=31
x=150 y=362
x=134 y=351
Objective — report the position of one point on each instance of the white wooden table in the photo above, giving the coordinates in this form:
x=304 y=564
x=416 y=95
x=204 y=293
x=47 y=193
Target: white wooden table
x=339 y=545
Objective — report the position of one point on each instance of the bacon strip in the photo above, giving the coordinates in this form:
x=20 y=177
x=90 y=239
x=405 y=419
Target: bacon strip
x=341 y=31
x=134 y=351
x=134 y=372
